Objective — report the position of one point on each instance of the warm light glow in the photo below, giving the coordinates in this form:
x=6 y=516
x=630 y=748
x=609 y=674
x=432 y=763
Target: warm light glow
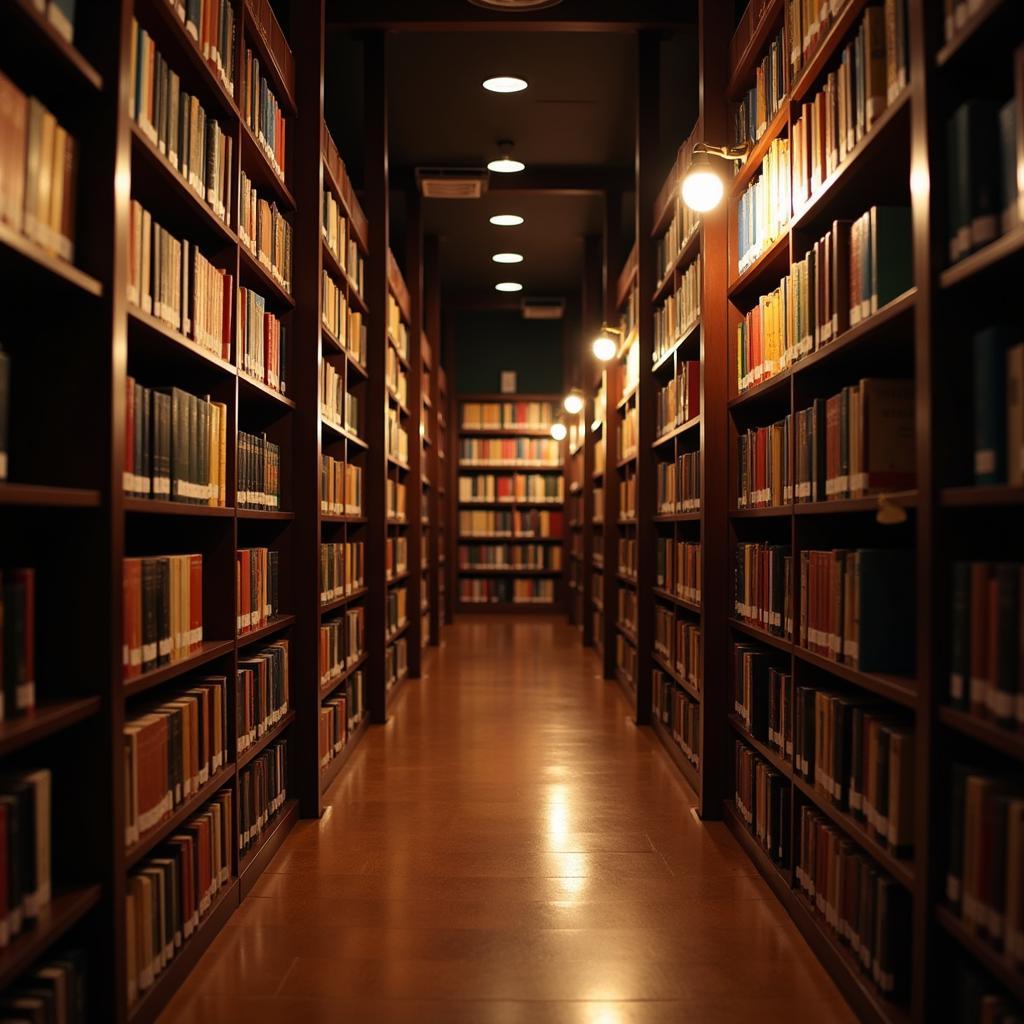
x=558 y=817
x=559 y=431
x=702 y=188
x=505 y=83
x=506 y=220
x=604 y=347
x=508 y=286
x=507 y=257
x=573 y=403
x=506 y=165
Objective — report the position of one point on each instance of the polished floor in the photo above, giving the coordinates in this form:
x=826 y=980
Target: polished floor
x=509 y=849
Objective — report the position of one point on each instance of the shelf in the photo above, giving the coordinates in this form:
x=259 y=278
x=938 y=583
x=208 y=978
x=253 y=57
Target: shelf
x=334 y=766
x=263 y=391
x=275 y=625
x=342 y=432
x=981 y=496
x=279 y=88
x=333 y=267
x=209 y=651
x=626 y=459
x=828 y=49
x=539 y=503
x=677 y=517
x=516 y=464
x=689 y=337
x=630 y=581
x=43 y=496
x=391 y=696
x=671 y=435
x=516 y=539
x=770 y=512
x=766 y=388
x=628 y=632
x=400 y=577
x=1007 y=741
x=666 y=595
x=755 y=632
x=39 y=259
x=254 y=275
x=265 y=515
x=870 y=503
x=156 y=835
x=404 y=466
x=684 y=684
x=995 y=962
x=746 y=63
x=505 y=432
x=264 y=741
x=674 y=751
x=79 y=70
x=145 y=329
x=628 y=688
x=255 y=861
x=899 y=689
x=355 y=520
x=340 y=602
x=328 y=687
x=772 y=756
x=45 y=720
x=686 y=255
x=770 y=266
x=969 y=31
x=147 y=506
x=752 y=164
x=627 y=396
x=61 y=914
x=403 y=358
x=984 y=259
x=392 y=635
x=485 y=571
x=340 y=350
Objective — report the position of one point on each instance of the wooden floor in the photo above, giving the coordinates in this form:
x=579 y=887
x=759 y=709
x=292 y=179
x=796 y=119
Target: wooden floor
x=509 y=848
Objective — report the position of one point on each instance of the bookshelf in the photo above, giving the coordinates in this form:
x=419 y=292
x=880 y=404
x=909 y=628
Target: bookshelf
x=446 y=507
x=604 y=514
x=510 y=493
x=575 y=511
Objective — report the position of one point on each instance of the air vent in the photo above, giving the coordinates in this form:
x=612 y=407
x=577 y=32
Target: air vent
x=514 y=5
x=542 y=309
x=451 y=182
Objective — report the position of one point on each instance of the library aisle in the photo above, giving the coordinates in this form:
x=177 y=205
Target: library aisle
x=509 y=847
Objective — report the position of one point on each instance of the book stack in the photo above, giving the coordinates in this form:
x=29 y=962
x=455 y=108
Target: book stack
x=261 y=693
x=763 y=802
x=342 y=569
x=397 y=378
x=857 y=607
x=171 y=280
x=765 y=337
x=764 y=466
x=38 y=172
x=396 y=439
x=627 y=608
x=751 y=668
x=510 y=556
x=345 y=323
x=762 y=578
x=627 y=495
x=341 y=487
x=257 y=584
x=627 y=557
x=178 y=125
x=688 y=658
x=678 y=568
x=764 y=207
x=175 y=446
x=18 y=631
x=211 y=23
x=340 y=241
x=764 y=99
x=680 y=311
x=395 y=495
x=664 y=630
x=396 y=556
x=679 y=400
x=163 y=611
x=998 y=376
x=262 y=341
x=869 y=911
x=259 y=473
x=509 y=451
x=397 y=329
x=511 y=487
x=396 y=662
x=56 y=988
x=171 y=750
x=396 y=608
x=527 y=415
x=26 y=814
x=678 y=713
x=265 y=232
x=262 y=791
x=263 y=114
x=628 y=431
x=678 y=484
x=625 y=658
x=169 y=894
x=333 y=728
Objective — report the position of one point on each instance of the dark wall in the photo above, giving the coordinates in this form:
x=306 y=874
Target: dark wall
x=489 y=341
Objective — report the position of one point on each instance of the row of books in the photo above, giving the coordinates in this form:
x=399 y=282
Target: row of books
x=510 y=556
x=178 y=125
x=628 y=431
x=984 y=876
x=345 y=322
x=261 y=693
x=396 y=556
x=525 y=415
x=998 y=389
x=262 y=792
x=865 y=908
x=625 y=657
x=18 y=634
x=342 y=644
x=986 y=677
x=55 y=989
x=763 y=698
x=764 y=99
x=342 y=569
x=871 y=73
x=38 y=172
x=511 y=487
x=627 y=556
x=338 y=406
x=341 y=487
x=515 y=452
x=396 y=610
x=262 y=341
x=627 y=493
x=341 y=241
x=263 y=115
x=858 y=442
x=398 y=330
x=680 y=228
x=678 y=641
x=505 y=590
x=678 y=568
x=976 y=997
x=396 y=437
x=259 y=472
x=265 y=231
x=258 y=587
x=763 y=587
x=171 y=892
x=540 y=523
x=171 y=749
x=680 y=311
x=340 y=714
x=679 y=400
x=764 y=208
x=171 y=280
x=762 y=797
x=26 y=809
x=211 y=24
x=396 y=662
x=396 y=377
x=395 y=500
x=162 y=611
x=678 y=484
x=631 y=366
x=680 y=715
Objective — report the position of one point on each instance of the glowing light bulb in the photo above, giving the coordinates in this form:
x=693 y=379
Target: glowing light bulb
x=559 y=431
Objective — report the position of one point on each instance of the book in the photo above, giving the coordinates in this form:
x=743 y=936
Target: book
x=991 y=348
x=764 y=207
x=764 y=99
x=762 y=586
x=505 y=590
x=975 y=165
x=342 y=569
x=262 y=341
x=266 y=232
x=18 y=659
x=26 y=814
x=762 y=801
x=257 y=588
x=54 y=989
x=261 y=693
x=678 y=712
x=259 y=472
x=678 y=485
x=680 y=311
x=263 y=114
x=342 y=644
x=341 y=240
x=510 y=487
x=341 y=487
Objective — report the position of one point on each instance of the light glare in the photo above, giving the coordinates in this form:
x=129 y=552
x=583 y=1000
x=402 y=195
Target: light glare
x=506 y=165
x=505 y=83
x=506 y=220
x=559 y=431
x=508 y=286
x=507 y=257
x=702 y=190
x=604 y=348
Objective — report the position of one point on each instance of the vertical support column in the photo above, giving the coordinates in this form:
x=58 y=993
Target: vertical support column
x=432 y=325
x=451 y=482
x=715 y=31
x=645 y=195
x=414 y=281
x=307 y=180
x=590 y=324
x=375 y=180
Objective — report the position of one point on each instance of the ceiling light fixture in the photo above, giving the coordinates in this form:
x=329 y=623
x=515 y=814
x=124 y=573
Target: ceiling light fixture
x=573 y=402
x=504 y=164
x=508 y=286
x=507 y=257
x=702 y=187
x=505 y=83
x=506 y=220
x=604 y=345
x=559 y=430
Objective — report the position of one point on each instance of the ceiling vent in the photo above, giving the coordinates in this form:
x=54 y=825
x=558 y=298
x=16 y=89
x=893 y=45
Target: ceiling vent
x=542 y=309
x=451 y=182
x=514 y=5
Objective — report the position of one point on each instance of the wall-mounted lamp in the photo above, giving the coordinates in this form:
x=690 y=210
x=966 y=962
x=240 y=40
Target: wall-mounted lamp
x=604 y=345
x=559 y=431
x=573 y=402
x=702 y=187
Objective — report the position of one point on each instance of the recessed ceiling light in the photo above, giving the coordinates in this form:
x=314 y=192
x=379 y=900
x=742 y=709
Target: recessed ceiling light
x=508 y=286
x=507 y=257
x=506 y=220
x=505 y=83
